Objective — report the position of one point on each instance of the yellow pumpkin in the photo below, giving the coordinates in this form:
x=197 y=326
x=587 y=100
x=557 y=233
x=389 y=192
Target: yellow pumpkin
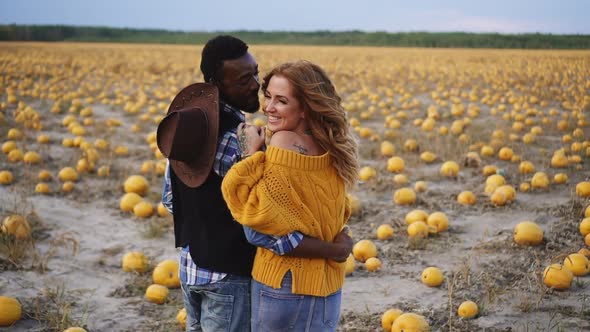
x=559 y=160
x=136 y=184
x=31 y=157
x=583 y=189
x=585 y=226
x=400 y=179
x=496 y=180
x=128 y=201
x=528 y=233
x=373 y=264
x=578 y=264
x=75 y=329
x=540 y=180
x=42 y=188
x=489 y=170
x=487 y=151
x=505 y=153
x=524 y=187
x=14 y=134
x=420 y=186
x=44 y=175
x=103 y=171
x=508 y=191
x=560 y=178
x=557 y=276
x=387 y=149
x=355 y=204
x=466 y=198
x=363 y=250
x=411 y=145
x=428 y=157
x=449 y=169
x=384 y=232
x=143 y=209
x=166 y=273
x=526 y=167
x=10 y=311
x=181 y=318
x=162 y=211
x=439 y=221
x=404 y=196
x=416 y=215
x=16 y=225
x=432 y=276
x=410 y=322
x=395 y=164
x=350 y=265
x=15 y=156
x=367 y=173
x=8 y=146
x=499 y=198
x=135 y=261
x=68 y=174
x=6 y=177
x=157 y=293
x=467 y=309
x=418 y=229
x=389 y=317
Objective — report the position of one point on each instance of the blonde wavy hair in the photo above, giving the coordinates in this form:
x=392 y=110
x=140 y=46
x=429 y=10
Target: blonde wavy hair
x=324 y=113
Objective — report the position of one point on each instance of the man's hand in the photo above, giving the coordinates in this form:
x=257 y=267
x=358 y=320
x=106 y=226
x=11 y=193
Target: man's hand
x=343 y=243
x=337 y=250
x=250 y=138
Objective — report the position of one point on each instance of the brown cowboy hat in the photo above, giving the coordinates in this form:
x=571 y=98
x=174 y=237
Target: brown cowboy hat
x=187 y=136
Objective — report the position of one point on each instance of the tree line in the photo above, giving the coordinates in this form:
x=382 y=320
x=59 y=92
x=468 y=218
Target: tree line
x=349 y=38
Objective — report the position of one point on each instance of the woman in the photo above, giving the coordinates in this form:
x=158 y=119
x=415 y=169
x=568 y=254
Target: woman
x=298 y=184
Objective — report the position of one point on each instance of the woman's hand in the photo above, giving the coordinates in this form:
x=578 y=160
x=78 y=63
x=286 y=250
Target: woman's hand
x=250 y=138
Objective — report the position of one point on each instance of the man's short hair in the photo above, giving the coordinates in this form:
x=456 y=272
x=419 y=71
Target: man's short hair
x=216 y=51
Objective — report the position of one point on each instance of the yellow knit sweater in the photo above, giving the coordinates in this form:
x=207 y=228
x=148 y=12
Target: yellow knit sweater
x=282 y=191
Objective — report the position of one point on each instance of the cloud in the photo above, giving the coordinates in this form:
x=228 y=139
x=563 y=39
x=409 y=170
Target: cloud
x=452 y=20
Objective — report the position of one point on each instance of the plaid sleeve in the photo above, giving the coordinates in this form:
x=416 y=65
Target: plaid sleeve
x=280 y=245
x=167 y=189
x=228 y=153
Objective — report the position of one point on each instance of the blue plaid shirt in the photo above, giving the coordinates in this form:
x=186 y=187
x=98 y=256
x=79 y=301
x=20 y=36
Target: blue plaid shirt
x=228 y=153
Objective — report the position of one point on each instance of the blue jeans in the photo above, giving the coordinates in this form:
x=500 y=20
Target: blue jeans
x=275 y=310
x=222 y=306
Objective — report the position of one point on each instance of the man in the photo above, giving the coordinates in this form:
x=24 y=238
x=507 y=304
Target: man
x=216 y=258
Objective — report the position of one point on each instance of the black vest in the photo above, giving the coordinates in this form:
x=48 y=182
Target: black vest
x=203 y=221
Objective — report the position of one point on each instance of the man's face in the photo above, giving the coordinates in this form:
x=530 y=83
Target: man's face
x=240 y=83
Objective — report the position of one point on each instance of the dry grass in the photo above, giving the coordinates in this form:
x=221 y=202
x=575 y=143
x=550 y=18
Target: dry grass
x=155 y=228
x=56 y=309
x=41 y=260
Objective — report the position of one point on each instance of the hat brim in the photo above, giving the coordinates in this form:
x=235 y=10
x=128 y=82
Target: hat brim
x=206 y=97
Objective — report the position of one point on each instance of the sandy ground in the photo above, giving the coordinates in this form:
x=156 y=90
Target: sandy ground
x=80 y=238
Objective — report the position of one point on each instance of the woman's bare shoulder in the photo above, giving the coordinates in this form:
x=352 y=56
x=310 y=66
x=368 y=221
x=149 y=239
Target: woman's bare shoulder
x=287 y=140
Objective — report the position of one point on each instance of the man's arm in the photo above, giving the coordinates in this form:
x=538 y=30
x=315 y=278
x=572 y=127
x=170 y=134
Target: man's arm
x=337 y=251
x=298 y=245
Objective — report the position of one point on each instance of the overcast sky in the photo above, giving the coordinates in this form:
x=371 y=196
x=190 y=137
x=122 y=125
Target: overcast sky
x=504 y=16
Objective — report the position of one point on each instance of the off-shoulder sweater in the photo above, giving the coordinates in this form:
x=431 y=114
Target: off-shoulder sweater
x=280 y=191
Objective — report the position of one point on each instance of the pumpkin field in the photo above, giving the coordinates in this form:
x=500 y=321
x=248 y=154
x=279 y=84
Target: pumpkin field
x=471 y=213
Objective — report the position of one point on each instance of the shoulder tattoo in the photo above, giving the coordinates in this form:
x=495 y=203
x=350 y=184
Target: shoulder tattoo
x=300 y=148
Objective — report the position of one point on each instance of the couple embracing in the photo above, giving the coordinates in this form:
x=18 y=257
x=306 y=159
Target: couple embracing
x=261 y=227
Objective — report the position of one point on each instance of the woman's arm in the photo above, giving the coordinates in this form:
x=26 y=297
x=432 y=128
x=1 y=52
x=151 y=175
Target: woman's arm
x=258 y=199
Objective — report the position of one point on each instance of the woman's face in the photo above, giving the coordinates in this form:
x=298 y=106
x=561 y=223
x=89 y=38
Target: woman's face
x=283 y=110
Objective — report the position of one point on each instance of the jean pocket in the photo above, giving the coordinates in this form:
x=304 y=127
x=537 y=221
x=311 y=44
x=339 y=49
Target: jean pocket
x=332 y=309
x=218 y=311
x=279 y=312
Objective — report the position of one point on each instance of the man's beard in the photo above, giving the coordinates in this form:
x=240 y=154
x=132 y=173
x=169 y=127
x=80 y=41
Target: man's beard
x=253 y=108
